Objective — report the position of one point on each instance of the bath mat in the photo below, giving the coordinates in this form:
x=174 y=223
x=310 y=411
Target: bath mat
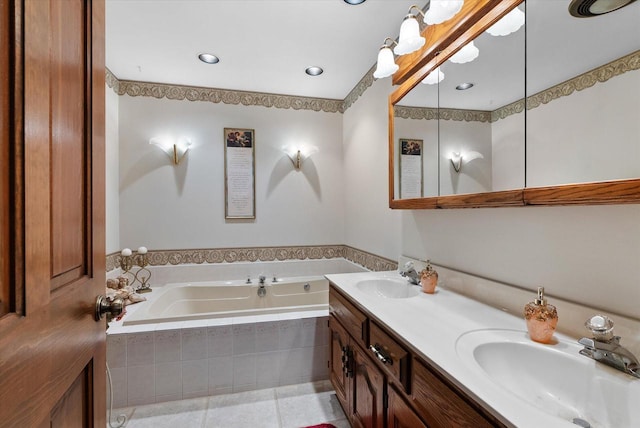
x=322 y=426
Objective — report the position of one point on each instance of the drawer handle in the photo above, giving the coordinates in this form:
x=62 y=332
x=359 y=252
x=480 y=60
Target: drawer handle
x=380 y=355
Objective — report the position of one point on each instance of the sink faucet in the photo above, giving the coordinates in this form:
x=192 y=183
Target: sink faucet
x=410 y=273
x=605 y=348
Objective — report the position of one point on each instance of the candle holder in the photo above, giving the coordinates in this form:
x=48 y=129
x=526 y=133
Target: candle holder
x=143 y=275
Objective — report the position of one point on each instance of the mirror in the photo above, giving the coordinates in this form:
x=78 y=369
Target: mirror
x=581 y=119
x=586 y=129
x=472 y=139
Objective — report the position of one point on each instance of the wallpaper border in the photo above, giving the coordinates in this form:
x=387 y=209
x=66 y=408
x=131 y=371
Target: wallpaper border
x=263 y=254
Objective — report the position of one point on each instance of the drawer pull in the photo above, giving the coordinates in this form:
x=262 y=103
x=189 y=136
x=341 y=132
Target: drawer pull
x=380 y=355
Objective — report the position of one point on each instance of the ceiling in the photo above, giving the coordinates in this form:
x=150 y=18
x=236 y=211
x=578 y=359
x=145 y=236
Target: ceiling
x=265 y=46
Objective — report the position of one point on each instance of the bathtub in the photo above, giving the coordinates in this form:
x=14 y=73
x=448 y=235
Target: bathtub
x=206 y=300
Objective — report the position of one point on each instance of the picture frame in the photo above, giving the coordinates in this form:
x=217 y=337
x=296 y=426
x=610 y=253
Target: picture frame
x=411 y=169
x=239 y=173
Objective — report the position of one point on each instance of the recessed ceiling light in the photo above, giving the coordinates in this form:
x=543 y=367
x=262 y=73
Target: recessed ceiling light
x=464 y=86
x=314 y=71
x=208 y=58
x=354 y=2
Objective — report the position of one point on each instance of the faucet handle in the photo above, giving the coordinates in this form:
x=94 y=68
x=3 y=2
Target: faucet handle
x=601 y=326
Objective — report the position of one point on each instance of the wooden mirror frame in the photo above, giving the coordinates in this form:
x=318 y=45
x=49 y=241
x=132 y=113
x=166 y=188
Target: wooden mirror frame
x=443 y=40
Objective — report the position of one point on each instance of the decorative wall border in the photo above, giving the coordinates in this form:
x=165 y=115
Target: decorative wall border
x=214 y=95
x=196 y=93
x=264 y=254
x=583 y=81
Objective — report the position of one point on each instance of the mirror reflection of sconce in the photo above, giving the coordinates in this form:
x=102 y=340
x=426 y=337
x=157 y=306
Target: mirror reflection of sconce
x=457 y=158
x=299 y=154
x=176 y=150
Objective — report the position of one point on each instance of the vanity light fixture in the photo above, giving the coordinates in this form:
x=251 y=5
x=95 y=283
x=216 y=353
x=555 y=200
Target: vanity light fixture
x=442 y=10
x=314 y=70
x=386 y=65
x=410 y=39
x=464 y=86
x=176 y=150
x=468 y=53
x=208 y=58
x=434 y=77
x=510 y=23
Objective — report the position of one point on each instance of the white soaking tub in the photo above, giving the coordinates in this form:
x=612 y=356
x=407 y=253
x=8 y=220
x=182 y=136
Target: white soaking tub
x=205 y=300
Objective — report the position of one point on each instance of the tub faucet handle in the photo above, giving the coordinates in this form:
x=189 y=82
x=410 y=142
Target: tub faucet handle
x=248 y=279
x=262 y=279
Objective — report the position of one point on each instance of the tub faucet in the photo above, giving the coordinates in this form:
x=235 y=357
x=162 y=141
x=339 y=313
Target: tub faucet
x=262 y=291
x=605 y=348
x=410 y=273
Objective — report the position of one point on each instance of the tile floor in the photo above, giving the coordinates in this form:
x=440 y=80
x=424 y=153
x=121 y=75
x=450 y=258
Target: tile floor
x=292 y=406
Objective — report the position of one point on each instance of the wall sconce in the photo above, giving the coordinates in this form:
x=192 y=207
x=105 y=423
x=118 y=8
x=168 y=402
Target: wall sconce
x=457 y=158
x=442 y=10
x=410 y=39
x=299 y=154
x=175 y=150
x=386 y=65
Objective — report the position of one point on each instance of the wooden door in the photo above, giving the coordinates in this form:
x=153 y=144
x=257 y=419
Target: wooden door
x=367 y=392
x=52 y=264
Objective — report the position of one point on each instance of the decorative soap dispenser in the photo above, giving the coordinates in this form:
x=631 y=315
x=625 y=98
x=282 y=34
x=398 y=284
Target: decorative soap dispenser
x=429 y=279
x=541 y=318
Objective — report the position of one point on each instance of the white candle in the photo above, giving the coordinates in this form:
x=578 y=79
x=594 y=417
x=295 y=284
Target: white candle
x=142 y=250
x=126 y=252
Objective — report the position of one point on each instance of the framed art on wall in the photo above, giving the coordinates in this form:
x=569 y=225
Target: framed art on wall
x=239 y=173
x=410 y=168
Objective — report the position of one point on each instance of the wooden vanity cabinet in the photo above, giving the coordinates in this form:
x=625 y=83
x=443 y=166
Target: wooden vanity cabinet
x=381 y=381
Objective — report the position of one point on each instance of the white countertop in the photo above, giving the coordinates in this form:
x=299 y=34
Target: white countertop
x=433 y=323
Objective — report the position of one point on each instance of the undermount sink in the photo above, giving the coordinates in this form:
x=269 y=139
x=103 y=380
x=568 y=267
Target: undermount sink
x=388 y=288
x=554 y=378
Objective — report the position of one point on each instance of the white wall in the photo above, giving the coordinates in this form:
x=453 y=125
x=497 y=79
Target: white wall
x=370 y=224
x=112 y=226
x=507 y=146
x=179 y=207
x=589 y=254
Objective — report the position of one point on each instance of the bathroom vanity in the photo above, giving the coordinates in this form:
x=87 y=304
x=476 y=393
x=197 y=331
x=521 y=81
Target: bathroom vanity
x=403 y=358
x=381 y=380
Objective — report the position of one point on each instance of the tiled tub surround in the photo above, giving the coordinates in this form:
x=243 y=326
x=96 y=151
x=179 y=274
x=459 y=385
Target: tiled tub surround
x=201 y=358
x=174 y=360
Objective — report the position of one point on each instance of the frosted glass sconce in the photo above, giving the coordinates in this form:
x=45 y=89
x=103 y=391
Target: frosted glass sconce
x=410 y=39
x=508 y=24
x=434 y=77
x=442 y=10
x=176 y=150
x=386 y=65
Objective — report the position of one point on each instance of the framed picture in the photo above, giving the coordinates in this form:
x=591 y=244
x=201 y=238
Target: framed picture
x=239 y=173
x=410 y=168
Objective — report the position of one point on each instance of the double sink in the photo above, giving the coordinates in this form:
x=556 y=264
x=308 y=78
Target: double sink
x=555 y=379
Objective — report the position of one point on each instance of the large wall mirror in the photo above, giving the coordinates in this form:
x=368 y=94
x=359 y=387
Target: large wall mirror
x=581 y=78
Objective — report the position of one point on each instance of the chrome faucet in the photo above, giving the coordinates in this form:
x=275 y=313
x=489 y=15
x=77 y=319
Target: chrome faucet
x=410 y=273
x=261 y=290
x=605 y=348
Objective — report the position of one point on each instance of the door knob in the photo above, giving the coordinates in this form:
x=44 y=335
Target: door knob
x=112 y=308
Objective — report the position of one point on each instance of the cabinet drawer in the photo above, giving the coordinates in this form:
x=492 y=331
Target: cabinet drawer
x=353 y=320
x=439 y=405
x=393 y=357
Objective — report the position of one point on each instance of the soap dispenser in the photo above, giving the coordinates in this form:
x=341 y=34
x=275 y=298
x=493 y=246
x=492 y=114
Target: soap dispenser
x=429 y=279
x=541 y=318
